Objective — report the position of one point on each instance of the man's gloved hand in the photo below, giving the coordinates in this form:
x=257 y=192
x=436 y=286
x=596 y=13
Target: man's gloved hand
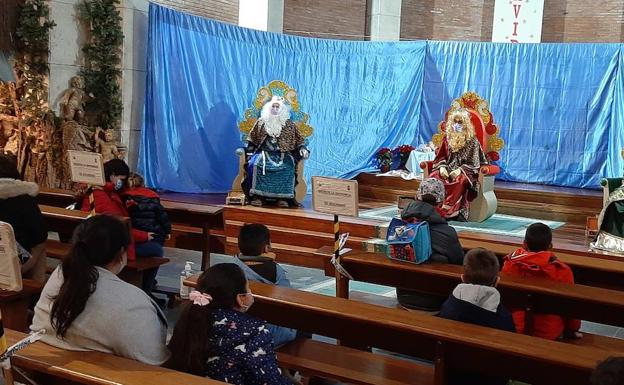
x=444 y=172
x=305 y=154
x=455 y=173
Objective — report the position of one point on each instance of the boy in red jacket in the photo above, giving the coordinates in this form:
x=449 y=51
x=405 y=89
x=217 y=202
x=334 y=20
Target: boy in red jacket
x=535 y=259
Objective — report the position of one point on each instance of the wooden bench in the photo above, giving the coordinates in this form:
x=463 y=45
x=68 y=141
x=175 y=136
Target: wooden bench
x=53 y=366
x=590 y=268
x=450 y=344
x=63 y=220
x=14 y=305
x=193 y=225
x=536 y=294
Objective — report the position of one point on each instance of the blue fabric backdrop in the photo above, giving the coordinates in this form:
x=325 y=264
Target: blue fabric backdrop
x=203 y=74
x=560 y=106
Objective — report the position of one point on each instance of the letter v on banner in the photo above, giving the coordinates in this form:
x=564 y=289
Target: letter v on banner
x=517 y=21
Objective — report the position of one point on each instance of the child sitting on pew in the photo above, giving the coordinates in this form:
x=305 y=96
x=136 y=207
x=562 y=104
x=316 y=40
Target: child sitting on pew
x=477 y=301
x=445 y=244
x=85 y=306
x=146 y=212
x=258 y=263
x=215 y=337
x=535 y=259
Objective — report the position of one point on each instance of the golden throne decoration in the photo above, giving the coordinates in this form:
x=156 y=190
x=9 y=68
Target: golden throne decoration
x=251 y=115
x=485 y=204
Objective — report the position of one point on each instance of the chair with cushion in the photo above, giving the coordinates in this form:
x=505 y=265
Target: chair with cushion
x=484 y=205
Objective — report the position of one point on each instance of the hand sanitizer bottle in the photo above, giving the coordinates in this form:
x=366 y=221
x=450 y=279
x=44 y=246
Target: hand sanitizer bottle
x=187 y=272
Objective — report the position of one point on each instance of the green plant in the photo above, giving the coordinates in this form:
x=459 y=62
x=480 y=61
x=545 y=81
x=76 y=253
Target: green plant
x=103 y=59
x=31 y=65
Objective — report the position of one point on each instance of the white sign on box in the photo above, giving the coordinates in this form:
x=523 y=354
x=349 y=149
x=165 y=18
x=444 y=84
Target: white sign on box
x=518 y=21
x=335 y=196
x=86 y=167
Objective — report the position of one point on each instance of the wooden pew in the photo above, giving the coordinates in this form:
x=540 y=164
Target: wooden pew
x=65 y=221
x=450 y=344
x=196 y=216
x=193 y=225
x=14 y=305
x=590 y=268
x=539 y=295
x=53 y=366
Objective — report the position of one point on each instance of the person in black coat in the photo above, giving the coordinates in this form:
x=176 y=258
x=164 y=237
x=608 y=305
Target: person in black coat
x=146 y=211
x=477 y=301
x=18 y=207
x=445 y=244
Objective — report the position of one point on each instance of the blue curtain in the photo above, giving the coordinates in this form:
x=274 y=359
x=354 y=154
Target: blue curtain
x=552 y=102
x=203 y=74
x=560 y=107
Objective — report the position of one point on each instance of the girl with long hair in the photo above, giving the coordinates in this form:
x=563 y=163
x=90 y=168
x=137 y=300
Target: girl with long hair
x=214 y=336
x=85 y=306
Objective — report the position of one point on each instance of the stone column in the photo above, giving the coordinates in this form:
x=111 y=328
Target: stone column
x=383 y=20
x=264 y=15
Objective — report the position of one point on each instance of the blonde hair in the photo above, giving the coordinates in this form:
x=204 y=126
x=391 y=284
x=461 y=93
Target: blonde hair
x=135 y=180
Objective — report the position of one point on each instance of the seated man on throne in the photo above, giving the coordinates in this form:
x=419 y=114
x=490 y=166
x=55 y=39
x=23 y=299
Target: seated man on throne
x=273 y=150
x=457 y=164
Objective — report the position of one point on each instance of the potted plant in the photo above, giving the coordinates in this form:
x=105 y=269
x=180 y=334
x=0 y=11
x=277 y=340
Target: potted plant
x=384 y=159
x=403 y=152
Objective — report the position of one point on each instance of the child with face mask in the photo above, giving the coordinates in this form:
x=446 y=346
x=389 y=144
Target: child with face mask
x=107 y=200
x=216 y=338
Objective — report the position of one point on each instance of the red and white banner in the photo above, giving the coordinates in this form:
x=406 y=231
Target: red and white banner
x=518 y=21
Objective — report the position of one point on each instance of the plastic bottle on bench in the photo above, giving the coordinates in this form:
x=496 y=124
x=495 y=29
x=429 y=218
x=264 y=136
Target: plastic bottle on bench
x=187 y=272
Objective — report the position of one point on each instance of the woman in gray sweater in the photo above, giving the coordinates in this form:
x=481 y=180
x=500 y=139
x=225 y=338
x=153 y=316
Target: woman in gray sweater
x=85 y=306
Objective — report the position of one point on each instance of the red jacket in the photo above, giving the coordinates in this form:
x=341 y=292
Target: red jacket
x=108 y=201
x=543 y=264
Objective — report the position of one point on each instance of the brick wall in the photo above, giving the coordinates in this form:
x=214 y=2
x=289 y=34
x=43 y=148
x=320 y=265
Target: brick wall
x=446 y=20
x=334 y=19
x=222 y=10
x=564 y=20
x=583 y=21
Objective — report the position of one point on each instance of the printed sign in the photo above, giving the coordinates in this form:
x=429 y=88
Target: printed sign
x=518 y=21
x=86 y=167
x=10 y=270
x=335 y=196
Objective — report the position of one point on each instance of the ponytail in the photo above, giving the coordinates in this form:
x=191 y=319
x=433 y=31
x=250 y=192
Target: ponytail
x=96 y=242
x=190 y=345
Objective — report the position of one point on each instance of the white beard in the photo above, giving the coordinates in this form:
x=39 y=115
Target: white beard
x=274 y=124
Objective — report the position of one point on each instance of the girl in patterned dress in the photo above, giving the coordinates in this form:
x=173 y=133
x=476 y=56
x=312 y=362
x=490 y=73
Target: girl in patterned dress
x=215 y=337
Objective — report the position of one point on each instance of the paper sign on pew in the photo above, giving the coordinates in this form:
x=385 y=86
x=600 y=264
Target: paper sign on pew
x=335 y=196
x=86 y=167
x=10 y=269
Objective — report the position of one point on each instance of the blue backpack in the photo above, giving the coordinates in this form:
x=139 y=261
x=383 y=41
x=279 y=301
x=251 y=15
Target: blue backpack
x=409 y=242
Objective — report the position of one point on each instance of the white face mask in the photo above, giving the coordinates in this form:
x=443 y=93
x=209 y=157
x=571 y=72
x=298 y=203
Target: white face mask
x=245 y=307
x=458 y=127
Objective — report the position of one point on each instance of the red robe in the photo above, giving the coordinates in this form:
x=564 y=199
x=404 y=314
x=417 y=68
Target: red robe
x=463 y=189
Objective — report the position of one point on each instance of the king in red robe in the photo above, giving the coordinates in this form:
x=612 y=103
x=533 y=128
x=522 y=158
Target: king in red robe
x=457 y=164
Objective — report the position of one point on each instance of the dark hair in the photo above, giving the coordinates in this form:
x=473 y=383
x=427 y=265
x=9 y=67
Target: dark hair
x=538 y=237
x=189 y=343
x=97 y=242
x=609 y=372
x=8 y=167
x=252 y=239
x=115 y=167
x=481 y=267
x=428 y=198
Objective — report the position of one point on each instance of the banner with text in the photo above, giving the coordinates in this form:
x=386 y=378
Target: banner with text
x=518 y=21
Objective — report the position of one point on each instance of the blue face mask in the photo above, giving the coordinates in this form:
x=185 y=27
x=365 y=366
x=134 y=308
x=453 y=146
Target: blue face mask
x=458 y=127
x=119 y=184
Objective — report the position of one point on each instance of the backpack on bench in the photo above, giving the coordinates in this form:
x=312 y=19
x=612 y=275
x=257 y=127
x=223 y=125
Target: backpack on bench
x=410 y=242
